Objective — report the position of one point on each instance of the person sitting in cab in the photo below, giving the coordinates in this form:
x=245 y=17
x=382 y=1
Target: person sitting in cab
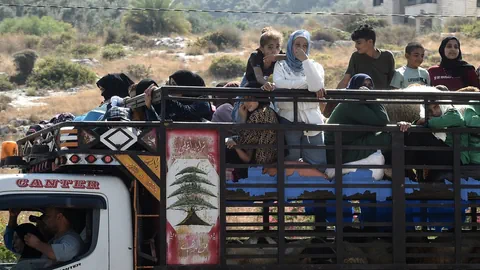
x=63 y=247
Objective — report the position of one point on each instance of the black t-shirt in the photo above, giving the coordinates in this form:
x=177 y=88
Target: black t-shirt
x=256 y=60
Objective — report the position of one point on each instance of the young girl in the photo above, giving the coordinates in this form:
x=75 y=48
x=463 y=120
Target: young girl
x=261 y=62
x=254 y=112
x=453 y=72
x=300 y=72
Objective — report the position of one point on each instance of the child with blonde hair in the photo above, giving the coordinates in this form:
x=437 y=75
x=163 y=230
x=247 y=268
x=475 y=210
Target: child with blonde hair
x=262 y=61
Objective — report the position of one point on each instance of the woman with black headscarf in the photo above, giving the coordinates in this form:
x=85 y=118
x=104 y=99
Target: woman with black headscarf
x=453 y=72
x=115 y=84
x=184 y=110
x=143 y=113
x=358 y=114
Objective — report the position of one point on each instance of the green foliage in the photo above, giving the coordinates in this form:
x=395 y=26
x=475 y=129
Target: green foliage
x=195 y=49
x=34 y=26
x=327 y=34
x=6 y=256
x=472 y=30
x=221 y=40
x=201 y=22
x=84 y=19
x=227 y=67
x=457 y=24
x=113 y=51
x=24 y=63
x=31 y=92
x=82 y=50
x=139 y=71
x=154 y=22
x=397 y=35
x=354 y=22
x=5 y=84
x=112 y=36
x=58 y=73
x=57 y=41
x=4 y=101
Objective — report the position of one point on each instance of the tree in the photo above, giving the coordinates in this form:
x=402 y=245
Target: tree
x=191 y=195
x=149 y=22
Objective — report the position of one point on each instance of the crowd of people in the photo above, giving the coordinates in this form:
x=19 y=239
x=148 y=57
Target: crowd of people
x=269 y=68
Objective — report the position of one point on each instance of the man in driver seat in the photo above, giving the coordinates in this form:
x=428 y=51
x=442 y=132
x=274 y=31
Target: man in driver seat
x=65 y=244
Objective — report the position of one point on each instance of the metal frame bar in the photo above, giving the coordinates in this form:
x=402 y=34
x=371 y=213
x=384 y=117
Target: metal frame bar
x=398 y=202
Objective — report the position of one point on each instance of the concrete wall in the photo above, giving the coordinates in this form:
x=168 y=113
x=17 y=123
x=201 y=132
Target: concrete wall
x=388 y=7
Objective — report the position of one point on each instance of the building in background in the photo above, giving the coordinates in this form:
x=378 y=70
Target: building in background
x=417 y=7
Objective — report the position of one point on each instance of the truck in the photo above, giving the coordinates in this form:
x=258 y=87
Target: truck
x=160 y=195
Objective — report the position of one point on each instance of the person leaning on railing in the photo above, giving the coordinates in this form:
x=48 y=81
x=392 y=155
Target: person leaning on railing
x=438 y=116
x=185 y=110
x=298 y=71
x=359 y=114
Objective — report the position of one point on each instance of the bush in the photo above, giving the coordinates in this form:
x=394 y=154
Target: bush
x=472 y=30
x=398 y=35
x=31 y=42
x=55 y=73
x=325 y=34
x=54 y=42
x=34 y=25
x=4 y=102
x=225 y=38
x=31 y=92
x=151 y=22
x=112 y=36
x=227 y=67
x=457 y=24
x=5 y=84
x=139 y=71
x=195 y=50
x=12 y=43
x=355 y=22
x=82 y=50
x=113 y=51
x=24 y=63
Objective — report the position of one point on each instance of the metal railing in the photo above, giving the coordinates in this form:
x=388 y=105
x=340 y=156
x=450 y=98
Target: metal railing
x=393 y=216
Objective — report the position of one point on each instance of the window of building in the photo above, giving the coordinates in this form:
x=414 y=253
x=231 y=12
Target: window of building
x=377 y=2
x=478 y=3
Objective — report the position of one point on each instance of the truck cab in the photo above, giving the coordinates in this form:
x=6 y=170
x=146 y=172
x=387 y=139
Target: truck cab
x=102 y=206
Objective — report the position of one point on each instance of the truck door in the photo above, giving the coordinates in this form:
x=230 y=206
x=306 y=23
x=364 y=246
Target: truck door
x=88 y=216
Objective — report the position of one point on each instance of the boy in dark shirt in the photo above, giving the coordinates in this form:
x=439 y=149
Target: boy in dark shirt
x=376 y=63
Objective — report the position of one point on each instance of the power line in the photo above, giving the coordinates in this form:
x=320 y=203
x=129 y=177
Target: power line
x=318 y=13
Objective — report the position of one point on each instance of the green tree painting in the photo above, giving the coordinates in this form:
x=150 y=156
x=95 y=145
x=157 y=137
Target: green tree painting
x=191 y=195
